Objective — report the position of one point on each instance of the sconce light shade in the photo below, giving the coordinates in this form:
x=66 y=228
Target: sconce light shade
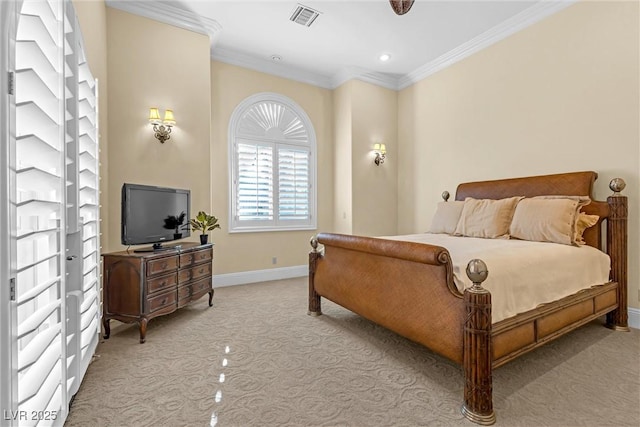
x=168 y=118
x=154 y=116
x=161 y=128
x=381 y=153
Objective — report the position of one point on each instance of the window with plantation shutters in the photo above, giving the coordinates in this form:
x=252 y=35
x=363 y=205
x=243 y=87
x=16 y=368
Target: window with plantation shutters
x=272 y=148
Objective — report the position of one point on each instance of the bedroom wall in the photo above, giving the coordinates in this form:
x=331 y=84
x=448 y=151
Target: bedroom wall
x=561 y=95
x=365 y=194
x=342 y=186
x=374 y=113
x=92 y=17
x=239 y=252
x=159 y=65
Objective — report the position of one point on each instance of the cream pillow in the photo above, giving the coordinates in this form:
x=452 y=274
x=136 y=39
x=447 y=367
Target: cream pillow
x=446 y=217
x=583 y=222
x=486 y=218
x=546 y=219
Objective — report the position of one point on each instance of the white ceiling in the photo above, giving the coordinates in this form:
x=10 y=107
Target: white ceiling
x=347 y=38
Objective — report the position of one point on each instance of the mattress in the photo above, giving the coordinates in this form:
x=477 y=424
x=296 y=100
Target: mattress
x=522 y=274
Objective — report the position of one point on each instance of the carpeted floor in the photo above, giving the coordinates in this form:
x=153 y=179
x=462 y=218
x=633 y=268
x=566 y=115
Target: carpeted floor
x=256 y=359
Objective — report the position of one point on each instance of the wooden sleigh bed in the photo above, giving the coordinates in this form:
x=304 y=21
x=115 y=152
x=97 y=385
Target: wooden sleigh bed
x=408 y=288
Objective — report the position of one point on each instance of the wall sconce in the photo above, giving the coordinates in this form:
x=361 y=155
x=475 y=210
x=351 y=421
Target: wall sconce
x=381 y=153
x=162 y=128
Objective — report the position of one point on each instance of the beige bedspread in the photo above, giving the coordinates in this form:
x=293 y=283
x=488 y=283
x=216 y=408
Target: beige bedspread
x=522 y=274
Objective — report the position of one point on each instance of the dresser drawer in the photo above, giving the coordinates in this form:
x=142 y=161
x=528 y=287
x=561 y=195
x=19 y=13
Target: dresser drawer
x=195 y=272
x=198 y=288
x=162 y=265
x=167 y=299
x=161 y=283
x=198 y=257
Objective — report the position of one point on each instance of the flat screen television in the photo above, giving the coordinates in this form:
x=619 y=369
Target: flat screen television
x=154 y=215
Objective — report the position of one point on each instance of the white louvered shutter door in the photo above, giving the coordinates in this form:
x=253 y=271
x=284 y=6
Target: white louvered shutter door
x=39 y=212
x=88 y=196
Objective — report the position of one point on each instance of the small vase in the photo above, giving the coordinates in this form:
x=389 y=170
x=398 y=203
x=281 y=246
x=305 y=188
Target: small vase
x=204 y=238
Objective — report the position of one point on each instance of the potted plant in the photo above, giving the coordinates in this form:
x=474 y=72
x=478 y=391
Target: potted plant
x=173 y=222
x=204 y=222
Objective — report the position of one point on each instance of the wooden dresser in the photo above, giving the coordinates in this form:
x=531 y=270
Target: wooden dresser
x=139 y=286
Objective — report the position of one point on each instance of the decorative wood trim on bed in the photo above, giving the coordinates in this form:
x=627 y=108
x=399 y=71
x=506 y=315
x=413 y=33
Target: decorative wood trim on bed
x=408 y=288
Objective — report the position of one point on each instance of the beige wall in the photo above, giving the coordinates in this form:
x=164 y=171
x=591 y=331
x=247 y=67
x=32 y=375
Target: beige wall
x=374 y=119
x=154 y=64
x=561 y=95
x=237 y=252
x=92 y=16
x=365 y=194
x=342 y=186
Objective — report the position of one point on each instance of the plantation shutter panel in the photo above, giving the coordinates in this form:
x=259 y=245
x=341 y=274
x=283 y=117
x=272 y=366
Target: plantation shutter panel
x=40 y=209
x=88 y=197
x=293 y=184
x=255 y=182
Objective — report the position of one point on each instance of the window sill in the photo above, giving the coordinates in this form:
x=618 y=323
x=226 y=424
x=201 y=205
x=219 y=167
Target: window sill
x=271 y=229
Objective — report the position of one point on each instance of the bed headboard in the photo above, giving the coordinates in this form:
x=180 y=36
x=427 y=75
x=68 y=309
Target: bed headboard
x=566 y=184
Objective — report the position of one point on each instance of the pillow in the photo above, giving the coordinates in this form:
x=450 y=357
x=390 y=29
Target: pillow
x=583 y=222
x=446 y=217
x=486 y=218
x=545 y=220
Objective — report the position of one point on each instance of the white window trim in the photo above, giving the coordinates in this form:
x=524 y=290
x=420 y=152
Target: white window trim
x=236 y=118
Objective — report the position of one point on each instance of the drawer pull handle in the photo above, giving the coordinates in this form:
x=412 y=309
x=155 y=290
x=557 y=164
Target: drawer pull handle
x=201 y=270
x=163 y=265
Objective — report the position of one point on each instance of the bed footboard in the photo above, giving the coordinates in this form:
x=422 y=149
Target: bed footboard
x=408 y=288
x=405 y=287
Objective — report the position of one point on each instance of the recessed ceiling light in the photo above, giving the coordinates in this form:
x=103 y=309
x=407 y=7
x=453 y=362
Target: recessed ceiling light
x=384 y=57
x=276 y=58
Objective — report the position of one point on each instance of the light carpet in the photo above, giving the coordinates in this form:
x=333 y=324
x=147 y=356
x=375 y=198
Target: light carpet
x=256 y=359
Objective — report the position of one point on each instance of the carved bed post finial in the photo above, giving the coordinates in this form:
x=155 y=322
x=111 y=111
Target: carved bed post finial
x=314 y=298
x=617 y=185
x=478 y=387
x=445 y=196
x=617 y=250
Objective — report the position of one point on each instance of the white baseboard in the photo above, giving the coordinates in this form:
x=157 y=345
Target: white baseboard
x=634 y=317
x=244 y=277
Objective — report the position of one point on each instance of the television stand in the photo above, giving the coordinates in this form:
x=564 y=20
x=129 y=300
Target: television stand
x=140 y=286
x=157 y=247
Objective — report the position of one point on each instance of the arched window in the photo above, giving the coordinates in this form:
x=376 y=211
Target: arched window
x=272 y=150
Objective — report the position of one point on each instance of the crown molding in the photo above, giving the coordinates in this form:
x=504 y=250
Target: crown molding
x=389 y=81
x=518 y=22
x=270 y=67
x=171 y=13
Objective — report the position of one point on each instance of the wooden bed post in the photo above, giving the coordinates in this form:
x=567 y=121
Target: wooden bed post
x=617 y=249
x=314 y=298
x=478 y=388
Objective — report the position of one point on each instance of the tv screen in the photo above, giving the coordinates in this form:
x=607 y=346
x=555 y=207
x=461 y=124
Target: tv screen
x=154 y=214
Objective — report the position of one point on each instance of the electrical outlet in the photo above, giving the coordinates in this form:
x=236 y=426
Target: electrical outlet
x=274 y=260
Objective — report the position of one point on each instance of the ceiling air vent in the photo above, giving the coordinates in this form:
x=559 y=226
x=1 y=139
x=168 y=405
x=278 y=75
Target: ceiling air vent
x=304 y=15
